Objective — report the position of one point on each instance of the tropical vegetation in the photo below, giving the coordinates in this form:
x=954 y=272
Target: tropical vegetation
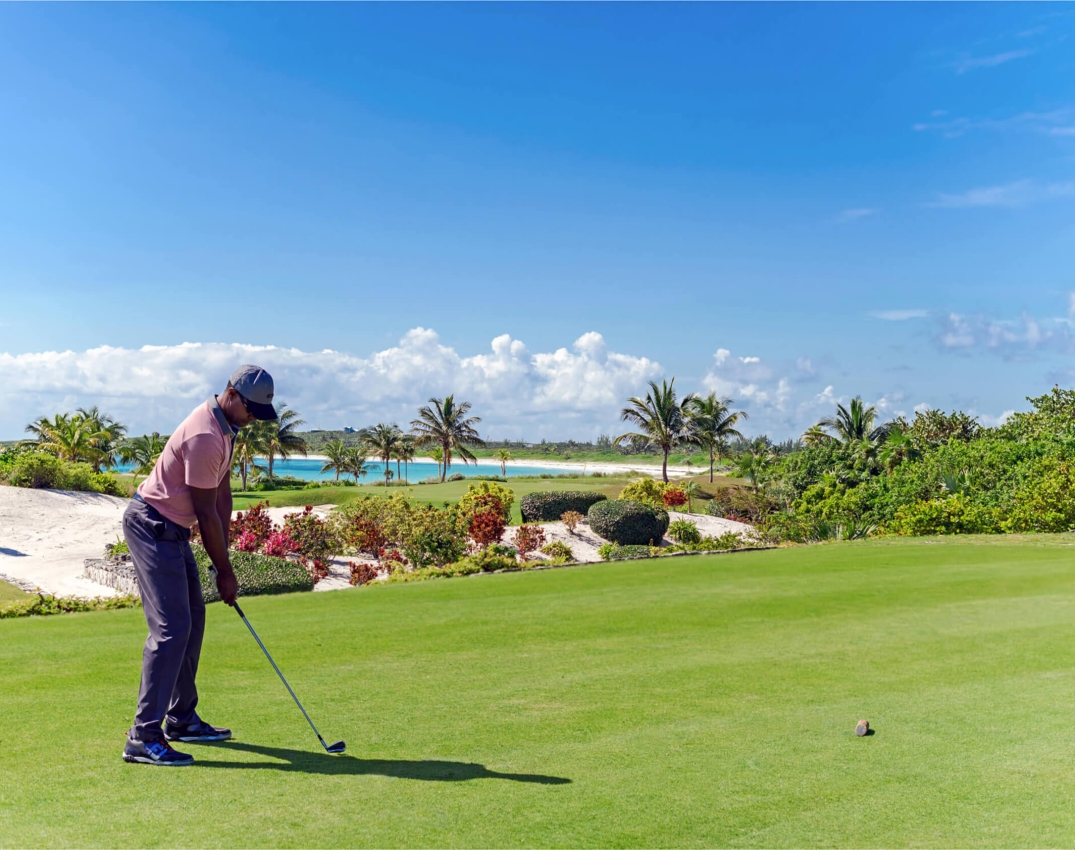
x=445 y=425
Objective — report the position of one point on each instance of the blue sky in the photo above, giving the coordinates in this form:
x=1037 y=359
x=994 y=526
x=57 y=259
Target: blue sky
x=788 y=204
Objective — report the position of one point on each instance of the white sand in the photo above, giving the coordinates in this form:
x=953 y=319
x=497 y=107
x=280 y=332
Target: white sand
x=45 y=535
x=584 y=543
x=556 y=466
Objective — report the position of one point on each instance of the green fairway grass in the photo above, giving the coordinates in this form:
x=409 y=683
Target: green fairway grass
x=433 y=494
x=678 y=702
x=10 y=593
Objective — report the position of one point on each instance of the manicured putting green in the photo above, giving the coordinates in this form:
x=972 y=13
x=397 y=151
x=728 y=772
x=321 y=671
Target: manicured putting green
x=706 y=701
x=432 y=494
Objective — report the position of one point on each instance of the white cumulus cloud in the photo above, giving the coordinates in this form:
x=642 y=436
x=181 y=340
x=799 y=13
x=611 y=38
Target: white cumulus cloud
x=154 y=387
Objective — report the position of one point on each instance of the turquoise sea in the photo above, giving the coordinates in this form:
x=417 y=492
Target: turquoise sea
x=310 y=470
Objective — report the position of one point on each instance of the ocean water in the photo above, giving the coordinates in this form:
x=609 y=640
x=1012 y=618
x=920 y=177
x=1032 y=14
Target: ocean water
x=310 y=470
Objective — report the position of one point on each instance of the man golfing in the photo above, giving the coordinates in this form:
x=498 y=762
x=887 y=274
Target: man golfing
x=190 y=483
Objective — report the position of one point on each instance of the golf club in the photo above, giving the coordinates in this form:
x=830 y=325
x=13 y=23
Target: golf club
x=339 y=746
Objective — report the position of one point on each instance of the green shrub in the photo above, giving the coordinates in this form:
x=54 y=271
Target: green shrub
x=616 y=552
x=954 y=515
x=724 y=542
x=44 y=471
x=684 y=531
x=558 y=549
x=485 y=561
x=740 y=504
x=550 y=505
x=428 y=536
x=43 y=605
x=256 y=574
x=1046 y=501
x=487 y=495
x=646 y=490
x=628 y=523
x=37 y=470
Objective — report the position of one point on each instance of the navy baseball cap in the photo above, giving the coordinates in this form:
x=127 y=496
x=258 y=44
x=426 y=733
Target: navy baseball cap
x=255 y=385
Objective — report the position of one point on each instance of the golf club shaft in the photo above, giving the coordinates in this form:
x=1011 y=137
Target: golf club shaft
x=239 y=611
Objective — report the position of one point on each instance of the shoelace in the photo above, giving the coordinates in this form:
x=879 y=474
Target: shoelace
x=162 y=744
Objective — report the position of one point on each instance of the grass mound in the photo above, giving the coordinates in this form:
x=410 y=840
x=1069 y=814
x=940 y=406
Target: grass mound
x=705 y=701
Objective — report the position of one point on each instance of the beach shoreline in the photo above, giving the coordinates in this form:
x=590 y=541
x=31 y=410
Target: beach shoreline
x=604 y=467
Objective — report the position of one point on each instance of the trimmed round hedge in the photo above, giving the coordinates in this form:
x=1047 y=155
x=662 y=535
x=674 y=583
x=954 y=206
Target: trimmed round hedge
x=550 y=505
x=629 y=523
x=256 y=574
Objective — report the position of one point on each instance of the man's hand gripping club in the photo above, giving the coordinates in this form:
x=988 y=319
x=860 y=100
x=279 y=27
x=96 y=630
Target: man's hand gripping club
x=213 y=509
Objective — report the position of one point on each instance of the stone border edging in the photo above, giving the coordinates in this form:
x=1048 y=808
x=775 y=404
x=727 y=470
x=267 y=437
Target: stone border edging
x=120 y=577
x=21 y=584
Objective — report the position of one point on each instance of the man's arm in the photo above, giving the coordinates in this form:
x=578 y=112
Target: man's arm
x=215 y=537
x=223 y=507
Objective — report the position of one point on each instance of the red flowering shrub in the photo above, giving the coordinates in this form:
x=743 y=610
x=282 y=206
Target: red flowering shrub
x=362 y=573
x=254 y=526
x=364 y=534
x=673 y=497
x=279 y=544
x=318 y=569
x=528 y=538
x=247 y=541
x=310 y=534
x=392 y=559
x=486 y=527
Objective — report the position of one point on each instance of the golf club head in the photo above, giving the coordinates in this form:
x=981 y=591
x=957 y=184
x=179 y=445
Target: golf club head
x=336 y=748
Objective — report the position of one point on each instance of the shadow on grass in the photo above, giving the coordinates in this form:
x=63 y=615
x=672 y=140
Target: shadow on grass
x=304 y=761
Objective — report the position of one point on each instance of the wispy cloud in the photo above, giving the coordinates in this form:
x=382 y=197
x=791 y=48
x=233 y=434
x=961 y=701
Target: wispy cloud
x=899 y=315
x=1047 y=122
x=1014 y=339
x=969 y=63
x=1016 y=194
x=856 y=214
x=1032 y=32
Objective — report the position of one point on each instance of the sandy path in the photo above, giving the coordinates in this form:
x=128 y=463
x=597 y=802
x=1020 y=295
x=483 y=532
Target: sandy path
x=45 y=535
x=584 y=543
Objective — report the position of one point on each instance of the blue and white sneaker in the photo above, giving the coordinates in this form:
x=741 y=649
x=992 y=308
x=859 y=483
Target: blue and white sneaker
x=155 y=752
x=197 y=732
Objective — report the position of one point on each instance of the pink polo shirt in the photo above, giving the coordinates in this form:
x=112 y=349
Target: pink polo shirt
x=198 y=455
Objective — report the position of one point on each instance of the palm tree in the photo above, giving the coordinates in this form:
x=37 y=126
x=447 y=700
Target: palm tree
x=355 y=462
x=142 y=452
x=854 y=424
x=693 y=490
x=250 y=442
x=405 y=453
x=69 y=437
x=754 y=463
x=815 y=435
x=335 y=457
x=897 y=448
x=282 y=437
x=711 y=422
x=383 y=441
x=444 y=423
x=437 y=454
x=106 y=435
x=660 y=419
x=503 y=455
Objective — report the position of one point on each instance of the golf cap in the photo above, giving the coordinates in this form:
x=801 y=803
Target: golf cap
x=255 y=385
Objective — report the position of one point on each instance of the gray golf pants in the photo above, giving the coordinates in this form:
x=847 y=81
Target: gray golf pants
x=175 y=613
